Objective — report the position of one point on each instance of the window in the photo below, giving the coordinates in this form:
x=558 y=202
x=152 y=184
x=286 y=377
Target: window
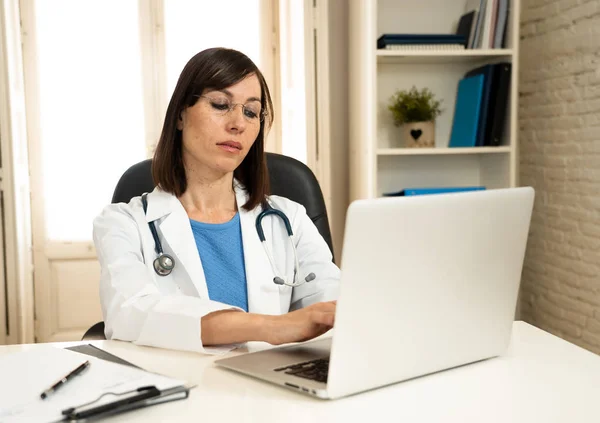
x=293 y=80
x=91 y=96
x=192 y=26
x=91 y=123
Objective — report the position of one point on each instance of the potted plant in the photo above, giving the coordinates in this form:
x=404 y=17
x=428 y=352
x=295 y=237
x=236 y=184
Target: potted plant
x=415 y=111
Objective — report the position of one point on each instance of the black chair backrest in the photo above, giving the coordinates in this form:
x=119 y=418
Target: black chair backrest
x=289 y=178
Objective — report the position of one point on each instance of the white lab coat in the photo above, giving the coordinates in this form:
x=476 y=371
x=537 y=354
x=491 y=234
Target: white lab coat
x=165 y=311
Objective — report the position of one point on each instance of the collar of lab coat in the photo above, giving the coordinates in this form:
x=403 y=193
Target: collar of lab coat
x=174 y=224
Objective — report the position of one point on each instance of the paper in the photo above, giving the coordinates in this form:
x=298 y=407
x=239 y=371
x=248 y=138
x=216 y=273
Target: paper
x=26 y=374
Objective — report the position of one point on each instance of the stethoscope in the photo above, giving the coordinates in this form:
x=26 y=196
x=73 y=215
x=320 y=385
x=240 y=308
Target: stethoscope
x=163 y=264
x=288 y=227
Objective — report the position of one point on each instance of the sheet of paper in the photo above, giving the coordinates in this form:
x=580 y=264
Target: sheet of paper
x=25 y=375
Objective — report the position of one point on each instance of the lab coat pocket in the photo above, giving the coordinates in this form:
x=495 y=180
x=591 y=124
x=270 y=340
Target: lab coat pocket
x=167 y=285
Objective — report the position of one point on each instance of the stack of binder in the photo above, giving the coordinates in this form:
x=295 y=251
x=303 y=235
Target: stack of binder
x=488 y=23
x=481 y=104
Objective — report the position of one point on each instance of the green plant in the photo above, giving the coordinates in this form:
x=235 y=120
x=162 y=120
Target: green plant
x=414 y=106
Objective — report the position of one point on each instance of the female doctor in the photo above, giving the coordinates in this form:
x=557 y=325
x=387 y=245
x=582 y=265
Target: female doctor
x=183 y=267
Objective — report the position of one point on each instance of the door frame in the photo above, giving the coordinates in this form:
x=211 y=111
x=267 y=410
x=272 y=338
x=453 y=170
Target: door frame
x=17 y=266
x=316 y=42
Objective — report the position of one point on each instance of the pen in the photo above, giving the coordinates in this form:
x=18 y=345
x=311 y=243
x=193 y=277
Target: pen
x=65 y=379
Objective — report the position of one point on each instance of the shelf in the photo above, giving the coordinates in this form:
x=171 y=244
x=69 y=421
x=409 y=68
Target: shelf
x=440 y=56
x=378 y=159
x=441 y=151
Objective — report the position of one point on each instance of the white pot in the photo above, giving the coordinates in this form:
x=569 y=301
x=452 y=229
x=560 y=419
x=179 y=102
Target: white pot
x=419 y=134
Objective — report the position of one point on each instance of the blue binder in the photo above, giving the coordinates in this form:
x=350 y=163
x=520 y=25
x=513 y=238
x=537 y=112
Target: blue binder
x=437 y=190
x=425 y=191
x=467 y=112
x=486 y=111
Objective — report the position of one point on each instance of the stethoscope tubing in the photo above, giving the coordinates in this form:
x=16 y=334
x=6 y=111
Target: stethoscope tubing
x=163 y=270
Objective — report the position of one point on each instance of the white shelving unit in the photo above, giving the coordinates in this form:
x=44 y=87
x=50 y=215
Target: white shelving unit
x=378 y=162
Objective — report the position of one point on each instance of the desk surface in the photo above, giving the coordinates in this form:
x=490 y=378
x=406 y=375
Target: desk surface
x=542 y=378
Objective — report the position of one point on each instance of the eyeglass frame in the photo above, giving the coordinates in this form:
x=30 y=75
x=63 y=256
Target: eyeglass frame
x=261 y=116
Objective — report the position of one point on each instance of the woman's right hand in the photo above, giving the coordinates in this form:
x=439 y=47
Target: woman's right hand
x=301 y=325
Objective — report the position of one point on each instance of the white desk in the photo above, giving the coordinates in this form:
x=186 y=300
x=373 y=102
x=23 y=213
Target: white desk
x=541 y=379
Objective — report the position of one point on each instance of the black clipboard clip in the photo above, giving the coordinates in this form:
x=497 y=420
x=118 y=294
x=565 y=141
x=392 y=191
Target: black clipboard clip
x=134 y=399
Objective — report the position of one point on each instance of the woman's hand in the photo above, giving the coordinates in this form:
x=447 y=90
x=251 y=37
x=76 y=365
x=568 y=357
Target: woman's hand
x=232 y=326
x=301 y=325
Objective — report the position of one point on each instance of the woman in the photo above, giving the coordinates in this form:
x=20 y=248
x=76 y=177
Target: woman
x=212 y=183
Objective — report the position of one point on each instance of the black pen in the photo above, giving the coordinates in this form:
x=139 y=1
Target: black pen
x=65 y=379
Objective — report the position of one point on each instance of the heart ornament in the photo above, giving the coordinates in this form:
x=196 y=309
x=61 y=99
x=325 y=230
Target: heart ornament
x=419 y=134
x=415 y=133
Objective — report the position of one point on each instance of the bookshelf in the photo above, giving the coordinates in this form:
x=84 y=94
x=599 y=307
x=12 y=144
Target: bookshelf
x=378 y=161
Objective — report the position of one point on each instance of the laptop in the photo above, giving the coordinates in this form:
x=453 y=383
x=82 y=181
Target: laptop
x=428 y=283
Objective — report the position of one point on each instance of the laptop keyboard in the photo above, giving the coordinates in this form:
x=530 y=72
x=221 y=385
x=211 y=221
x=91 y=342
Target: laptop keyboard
x=314 y=370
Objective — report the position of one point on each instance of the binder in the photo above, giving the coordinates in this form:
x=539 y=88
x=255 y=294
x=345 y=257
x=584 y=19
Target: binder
x=465 y=122
x=476 y=6
x=444 y=190
x=421 y=47
x=487 y=23
x=407 y=192
x=477 y=39
x=503 y=14
x=499 y=100
x=465 y=25
x=408 y=39
x=489 y=74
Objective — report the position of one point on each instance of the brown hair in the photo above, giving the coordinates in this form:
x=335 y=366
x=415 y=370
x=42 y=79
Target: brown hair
x=217 y=69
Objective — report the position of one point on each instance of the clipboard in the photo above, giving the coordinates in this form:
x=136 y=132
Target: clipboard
x=93 y=351
x=106 y=388
x=126 y=401
x=144 y=396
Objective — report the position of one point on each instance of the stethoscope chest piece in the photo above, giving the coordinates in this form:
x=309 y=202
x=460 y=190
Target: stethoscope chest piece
x=163 y=264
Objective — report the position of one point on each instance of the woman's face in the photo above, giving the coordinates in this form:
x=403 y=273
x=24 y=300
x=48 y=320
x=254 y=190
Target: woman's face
x=217 y=132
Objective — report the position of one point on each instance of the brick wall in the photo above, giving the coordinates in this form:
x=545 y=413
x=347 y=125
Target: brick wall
x=559 y=136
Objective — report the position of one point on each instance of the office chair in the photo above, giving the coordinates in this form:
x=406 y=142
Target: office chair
x=289 y=178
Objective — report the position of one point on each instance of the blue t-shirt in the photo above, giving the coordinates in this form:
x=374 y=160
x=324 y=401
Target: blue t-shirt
x=222 y=255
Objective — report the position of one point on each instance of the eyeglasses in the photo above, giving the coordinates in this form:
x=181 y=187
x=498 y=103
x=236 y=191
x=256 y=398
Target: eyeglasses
x=221 y=106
